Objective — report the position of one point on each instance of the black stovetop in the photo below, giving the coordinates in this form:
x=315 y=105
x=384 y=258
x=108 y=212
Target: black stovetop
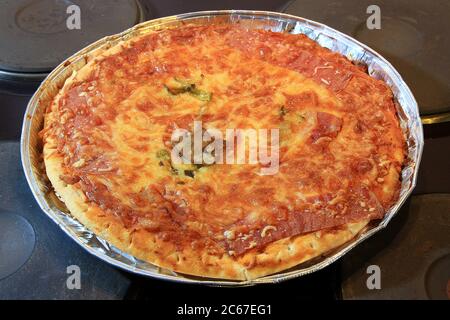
x=43 y=271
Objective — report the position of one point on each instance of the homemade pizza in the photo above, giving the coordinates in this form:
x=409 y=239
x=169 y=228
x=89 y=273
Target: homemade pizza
x=109 y=149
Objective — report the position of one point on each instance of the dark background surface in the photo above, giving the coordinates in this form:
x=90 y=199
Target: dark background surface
x=43 y=276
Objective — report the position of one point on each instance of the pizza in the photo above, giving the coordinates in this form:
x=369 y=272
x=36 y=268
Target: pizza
x=108 y=149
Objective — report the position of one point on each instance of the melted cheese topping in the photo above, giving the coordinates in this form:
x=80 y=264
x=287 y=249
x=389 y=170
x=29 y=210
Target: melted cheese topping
x=341 y=148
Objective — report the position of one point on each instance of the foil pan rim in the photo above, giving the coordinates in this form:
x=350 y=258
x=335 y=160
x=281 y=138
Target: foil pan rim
x=104 y=251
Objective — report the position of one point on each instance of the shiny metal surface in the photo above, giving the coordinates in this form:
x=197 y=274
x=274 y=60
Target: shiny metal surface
x=378 y=68
x=436 y=118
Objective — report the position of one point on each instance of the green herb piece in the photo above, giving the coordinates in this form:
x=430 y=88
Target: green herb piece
x=201 y=94
x=176 y=86
x=282 y=112
x=163 y=154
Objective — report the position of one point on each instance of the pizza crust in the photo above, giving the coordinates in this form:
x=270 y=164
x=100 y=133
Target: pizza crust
x=274 y=257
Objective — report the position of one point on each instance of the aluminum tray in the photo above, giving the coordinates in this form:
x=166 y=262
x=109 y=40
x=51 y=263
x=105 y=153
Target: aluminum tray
x=378 y=67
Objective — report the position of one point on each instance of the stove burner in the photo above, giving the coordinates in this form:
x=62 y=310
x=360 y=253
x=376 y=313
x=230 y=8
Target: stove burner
x=437 y=279
x=17 y=241
x=397 y=38
x=413 y=254
x=35 y=38
x=414 y=37
x=43 y=17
